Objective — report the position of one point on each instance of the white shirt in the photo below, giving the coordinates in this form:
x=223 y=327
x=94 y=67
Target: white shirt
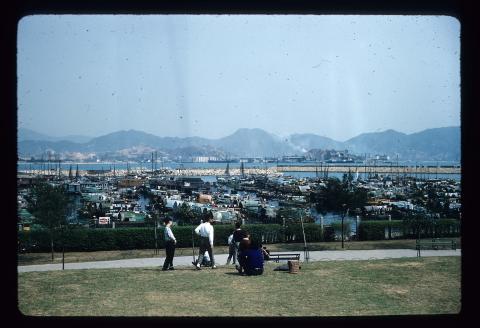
x=169 y=234
x=205 y=230
x=230 y=239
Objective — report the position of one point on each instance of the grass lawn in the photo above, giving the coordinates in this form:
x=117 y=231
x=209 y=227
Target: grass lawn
x=70 y=257
x=428 y=285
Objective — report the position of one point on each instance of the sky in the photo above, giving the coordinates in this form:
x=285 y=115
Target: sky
x=208 y=75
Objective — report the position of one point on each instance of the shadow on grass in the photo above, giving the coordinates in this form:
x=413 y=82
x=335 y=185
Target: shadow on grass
x=233 y=274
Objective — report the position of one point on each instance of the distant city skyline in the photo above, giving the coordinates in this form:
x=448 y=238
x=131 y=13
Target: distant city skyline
x=208 y=75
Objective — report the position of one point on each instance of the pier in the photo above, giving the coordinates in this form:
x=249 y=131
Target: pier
x=280 y=169
x=372 y=169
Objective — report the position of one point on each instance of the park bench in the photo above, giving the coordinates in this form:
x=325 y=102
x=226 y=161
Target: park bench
x=284 y=256
x=435 y=243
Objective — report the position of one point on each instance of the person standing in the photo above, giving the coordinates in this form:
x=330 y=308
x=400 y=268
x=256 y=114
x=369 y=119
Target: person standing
x=232 y=253
x=170 y=243
x=205 y=231
x=238 y=235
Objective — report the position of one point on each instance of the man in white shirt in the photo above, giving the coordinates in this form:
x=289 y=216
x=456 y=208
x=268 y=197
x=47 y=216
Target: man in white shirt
x=205 y=231
x=170 y=242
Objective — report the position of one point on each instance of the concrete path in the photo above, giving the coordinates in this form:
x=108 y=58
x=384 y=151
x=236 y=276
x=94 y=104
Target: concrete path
x=221 y=259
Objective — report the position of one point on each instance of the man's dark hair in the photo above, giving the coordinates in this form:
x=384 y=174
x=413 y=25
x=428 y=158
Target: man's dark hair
x=255 y=244
x=238 y=224
x=209 y=216
x=166 y=220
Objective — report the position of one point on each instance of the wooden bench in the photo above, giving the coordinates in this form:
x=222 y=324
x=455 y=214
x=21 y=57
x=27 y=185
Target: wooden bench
x=435 y=243
x=284 y=256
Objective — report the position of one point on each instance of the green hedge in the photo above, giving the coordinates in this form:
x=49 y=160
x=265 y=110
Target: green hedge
x=379 y=230
x=86 y=239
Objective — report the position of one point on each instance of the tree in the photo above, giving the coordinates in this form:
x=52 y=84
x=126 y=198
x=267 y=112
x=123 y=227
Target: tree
x=49 y=205
x=185 y=214
x=335 y=193
x=417 y=222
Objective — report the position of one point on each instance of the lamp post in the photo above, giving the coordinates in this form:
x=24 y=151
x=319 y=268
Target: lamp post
x=343 y=217
x=155 y=230
x=63 y=247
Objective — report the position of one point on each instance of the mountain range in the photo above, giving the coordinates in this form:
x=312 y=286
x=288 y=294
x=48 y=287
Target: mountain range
x=431 y=144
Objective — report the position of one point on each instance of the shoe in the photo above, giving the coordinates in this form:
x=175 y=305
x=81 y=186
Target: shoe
x=198 y=267
x=171 y=268
x=214 y=266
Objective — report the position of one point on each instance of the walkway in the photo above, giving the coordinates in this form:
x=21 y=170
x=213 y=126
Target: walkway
x=221 y=259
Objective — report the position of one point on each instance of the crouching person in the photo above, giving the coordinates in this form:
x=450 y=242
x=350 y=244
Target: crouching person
x=251 y=260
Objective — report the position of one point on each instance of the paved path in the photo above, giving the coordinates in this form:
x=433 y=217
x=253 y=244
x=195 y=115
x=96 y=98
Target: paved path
x=221 y=259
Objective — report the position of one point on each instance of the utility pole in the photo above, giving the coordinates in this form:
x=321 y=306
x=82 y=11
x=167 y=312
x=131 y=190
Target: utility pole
x=63 y=247
x=343 y=217
x=305 y=249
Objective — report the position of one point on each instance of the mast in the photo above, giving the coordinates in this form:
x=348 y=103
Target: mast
x=242 y=169
x=227 y=170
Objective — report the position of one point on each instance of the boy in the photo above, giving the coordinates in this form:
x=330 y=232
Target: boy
x=205 y=230
x=170 y=242
x=232 y=252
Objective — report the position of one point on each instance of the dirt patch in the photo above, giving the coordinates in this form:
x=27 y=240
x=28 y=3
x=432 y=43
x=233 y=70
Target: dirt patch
x=175 y=297
x=409 y=264
x=394 y=290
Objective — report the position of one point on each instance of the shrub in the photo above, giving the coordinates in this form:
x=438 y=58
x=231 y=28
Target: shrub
x=378 y=230
x=86 y=239
x=337 y=228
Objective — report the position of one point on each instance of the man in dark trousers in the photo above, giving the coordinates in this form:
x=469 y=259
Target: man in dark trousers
x=205 y=230
x=238 y=235
x=170 y=243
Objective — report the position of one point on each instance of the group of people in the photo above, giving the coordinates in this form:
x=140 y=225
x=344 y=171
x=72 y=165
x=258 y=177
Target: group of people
x=249 y=253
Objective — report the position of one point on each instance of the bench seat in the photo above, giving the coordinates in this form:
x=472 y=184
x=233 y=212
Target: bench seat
x=284 y=256
x=434 y=244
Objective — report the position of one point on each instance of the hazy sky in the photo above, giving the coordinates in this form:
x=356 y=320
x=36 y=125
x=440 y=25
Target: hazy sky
x=208 y=75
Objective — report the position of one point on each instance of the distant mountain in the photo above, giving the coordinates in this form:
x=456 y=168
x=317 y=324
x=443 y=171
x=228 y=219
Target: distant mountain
x=377 y=142
x=27 y=134
x=309 y=141
x=431 y=144
x=121 y=140
x=74 y=138
x=437 y=144
x=254 y=142
x=39 y=147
